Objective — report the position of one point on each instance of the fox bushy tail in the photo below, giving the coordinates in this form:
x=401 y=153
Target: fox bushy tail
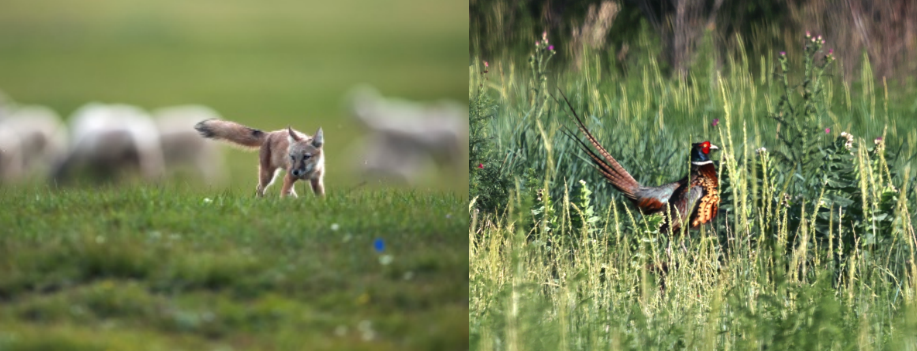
x=232 y=132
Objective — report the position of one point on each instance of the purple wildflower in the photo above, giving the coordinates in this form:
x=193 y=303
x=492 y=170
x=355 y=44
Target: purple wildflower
x=715 y=121
x=827 y=130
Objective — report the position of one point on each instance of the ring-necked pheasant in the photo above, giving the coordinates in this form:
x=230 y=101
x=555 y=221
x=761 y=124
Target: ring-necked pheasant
x=694 y=198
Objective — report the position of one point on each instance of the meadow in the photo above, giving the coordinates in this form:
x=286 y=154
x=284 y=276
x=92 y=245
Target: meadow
x=180 y=268
x=814 y=244
x=181 y=265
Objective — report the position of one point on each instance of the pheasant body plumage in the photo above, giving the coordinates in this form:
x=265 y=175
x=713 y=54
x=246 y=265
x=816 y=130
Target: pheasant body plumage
x=693 y=200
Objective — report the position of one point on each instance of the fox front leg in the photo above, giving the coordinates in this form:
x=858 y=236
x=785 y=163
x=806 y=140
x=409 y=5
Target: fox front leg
x=288 y=189
x=318 y=186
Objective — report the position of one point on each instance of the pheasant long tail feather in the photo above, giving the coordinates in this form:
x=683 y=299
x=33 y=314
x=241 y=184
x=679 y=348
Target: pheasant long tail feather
x=609 y=167
x=604 y=168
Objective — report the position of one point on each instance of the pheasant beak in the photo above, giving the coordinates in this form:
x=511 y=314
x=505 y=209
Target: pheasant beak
x=714 y=147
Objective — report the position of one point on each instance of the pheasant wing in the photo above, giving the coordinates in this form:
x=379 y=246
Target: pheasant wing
x=654 y=199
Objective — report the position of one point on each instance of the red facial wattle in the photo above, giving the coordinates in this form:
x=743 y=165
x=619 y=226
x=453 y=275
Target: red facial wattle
x=705 y=147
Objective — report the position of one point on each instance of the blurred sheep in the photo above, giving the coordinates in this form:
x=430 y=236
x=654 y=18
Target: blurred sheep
x=403 y=135
x=10 y=156
x=110 y=138
x=42 y=137
x=182 y=146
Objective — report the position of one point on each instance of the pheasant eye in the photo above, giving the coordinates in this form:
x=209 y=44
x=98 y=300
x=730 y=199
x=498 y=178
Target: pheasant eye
x=705 y=147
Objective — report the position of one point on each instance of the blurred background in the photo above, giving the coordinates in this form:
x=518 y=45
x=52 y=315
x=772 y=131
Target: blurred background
x=267 y=65
x=684 y=36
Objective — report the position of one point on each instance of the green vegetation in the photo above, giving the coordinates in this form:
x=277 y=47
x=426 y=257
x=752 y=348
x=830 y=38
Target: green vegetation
x=813 y=248
x=179 y=268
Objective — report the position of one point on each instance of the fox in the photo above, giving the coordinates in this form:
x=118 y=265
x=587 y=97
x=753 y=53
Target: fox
x=298 y=154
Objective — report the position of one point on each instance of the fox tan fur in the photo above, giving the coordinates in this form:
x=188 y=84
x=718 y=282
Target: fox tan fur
x=298 y=154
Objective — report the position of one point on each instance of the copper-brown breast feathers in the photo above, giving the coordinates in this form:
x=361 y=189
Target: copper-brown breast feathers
x=709 y=203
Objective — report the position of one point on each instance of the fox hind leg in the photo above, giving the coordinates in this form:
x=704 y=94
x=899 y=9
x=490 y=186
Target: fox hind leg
x=265 y=179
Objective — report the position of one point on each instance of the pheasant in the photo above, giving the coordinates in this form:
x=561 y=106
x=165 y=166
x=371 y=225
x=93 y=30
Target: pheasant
x=694 y=199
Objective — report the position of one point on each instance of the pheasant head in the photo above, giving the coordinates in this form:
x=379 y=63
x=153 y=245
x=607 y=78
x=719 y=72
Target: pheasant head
x=700 y=153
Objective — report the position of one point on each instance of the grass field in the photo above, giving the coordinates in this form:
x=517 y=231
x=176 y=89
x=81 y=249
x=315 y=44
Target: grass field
x=813 y=248
x=181 y=265
x=177 y=268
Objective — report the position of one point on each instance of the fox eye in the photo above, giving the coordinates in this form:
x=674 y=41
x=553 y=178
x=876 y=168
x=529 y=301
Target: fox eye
x=306 y=156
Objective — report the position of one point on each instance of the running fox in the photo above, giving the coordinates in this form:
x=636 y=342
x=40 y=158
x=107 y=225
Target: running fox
x=298 y=154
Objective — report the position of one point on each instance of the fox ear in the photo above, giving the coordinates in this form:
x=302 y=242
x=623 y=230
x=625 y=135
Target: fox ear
x=292 y=137
x=318 y=140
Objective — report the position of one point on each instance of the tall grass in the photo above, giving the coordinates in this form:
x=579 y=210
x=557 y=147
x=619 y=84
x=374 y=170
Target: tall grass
x=645 y=119
x=801 y=257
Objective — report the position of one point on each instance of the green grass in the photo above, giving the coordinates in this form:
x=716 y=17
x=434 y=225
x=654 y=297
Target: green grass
x=174 y=267
x=786 y=265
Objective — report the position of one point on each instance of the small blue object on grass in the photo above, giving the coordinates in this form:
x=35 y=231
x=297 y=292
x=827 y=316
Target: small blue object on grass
x=379 y=245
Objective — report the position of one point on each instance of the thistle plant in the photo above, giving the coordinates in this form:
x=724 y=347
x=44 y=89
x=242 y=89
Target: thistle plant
x=538 y=63
x=543 y=212
x=488 y=182
x=584 y=218
x=801 y=115
x=837 y=177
